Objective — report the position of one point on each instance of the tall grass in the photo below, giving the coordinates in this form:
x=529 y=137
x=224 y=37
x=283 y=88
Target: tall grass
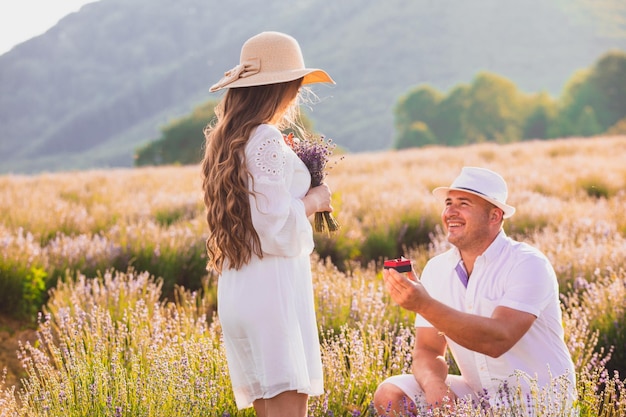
x=110 y=346
x=113 y=340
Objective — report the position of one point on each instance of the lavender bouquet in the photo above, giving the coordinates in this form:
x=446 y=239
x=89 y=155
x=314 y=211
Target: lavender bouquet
x=315 y=153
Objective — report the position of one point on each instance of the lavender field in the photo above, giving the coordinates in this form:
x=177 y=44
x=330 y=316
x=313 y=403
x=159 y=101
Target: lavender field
x=112 y=266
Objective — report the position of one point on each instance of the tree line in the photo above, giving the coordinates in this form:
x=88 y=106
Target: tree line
x=490 y=109
x=493 y=109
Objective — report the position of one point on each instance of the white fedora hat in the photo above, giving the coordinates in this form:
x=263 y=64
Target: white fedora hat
x=482 y=182
x=270 y=58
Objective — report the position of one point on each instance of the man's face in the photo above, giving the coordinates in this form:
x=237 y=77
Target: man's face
x=466 y=220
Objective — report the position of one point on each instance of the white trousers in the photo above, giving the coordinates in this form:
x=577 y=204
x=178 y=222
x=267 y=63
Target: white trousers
x=412 y=389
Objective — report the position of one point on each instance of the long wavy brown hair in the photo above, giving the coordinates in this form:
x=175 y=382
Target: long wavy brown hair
x=232 y=236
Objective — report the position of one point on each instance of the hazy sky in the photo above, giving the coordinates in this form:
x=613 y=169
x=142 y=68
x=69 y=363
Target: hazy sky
x=21 y=20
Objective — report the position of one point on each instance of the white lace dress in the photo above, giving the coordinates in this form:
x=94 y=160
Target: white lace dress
x=266 y=309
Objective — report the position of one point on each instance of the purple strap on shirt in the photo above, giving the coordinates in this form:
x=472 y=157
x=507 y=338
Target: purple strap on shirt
x=460 y=271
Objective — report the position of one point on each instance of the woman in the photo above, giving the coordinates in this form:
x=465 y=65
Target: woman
x=258 y=202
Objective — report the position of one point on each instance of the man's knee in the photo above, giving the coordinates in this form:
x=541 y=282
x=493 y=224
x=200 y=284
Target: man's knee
x=388 y=397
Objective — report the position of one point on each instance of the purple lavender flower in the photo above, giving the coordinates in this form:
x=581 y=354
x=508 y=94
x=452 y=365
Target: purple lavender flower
x=315 y=154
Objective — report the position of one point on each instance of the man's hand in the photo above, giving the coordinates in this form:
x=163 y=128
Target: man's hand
x=405 y=289
x=439 y=394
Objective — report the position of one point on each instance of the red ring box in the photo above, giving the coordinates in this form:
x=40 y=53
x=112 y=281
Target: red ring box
x=400 y=265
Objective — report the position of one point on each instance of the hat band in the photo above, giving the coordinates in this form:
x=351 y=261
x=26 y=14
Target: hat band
x=245 y=69
x=474 y=191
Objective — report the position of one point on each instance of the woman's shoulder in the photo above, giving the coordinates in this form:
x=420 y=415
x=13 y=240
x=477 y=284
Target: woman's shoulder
x=265 y=136
x=266 y=151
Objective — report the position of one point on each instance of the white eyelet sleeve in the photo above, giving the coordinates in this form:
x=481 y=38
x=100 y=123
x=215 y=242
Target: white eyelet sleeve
x=278 y=182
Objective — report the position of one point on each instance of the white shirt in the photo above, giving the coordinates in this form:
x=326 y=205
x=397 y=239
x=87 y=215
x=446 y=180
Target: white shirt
x=514 y=275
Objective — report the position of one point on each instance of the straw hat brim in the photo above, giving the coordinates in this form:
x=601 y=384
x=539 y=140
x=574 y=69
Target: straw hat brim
x=311 y=76
x=441 y=193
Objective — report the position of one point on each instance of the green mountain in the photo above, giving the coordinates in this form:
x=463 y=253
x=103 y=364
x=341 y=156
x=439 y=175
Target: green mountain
x=103 y=81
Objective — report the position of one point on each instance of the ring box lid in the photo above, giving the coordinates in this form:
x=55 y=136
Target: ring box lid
x=400 y=264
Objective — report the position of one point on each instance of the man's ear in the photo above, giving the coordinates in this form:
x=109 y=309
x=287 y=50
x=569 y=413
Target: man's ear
x=496 y=214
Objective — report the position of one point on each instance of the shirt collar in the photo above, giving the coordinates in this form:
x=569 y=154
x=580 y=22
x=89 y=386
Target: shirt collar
x=496 y=247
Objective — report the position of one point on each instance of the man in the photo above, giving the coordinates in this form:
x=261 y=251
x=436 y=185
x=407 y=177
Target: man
x=492 y=300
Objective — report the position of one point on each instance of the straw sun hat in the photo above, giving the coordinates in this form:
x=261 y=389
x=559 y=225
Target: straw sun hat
x=270 y=58
x=482 y=182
